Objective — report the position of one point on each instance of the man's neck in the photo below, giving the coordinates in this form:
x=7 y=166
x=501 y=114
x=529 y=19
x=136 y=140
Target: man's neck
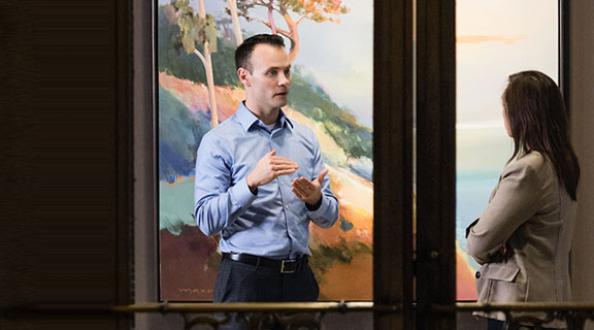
x=268 y=117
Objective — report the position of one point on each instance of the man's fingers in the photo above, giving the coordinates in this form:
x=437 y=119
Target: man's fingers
x=298 y=193
x=303 y=187
x=282 y=160
x=304 y=184
x=322 y=175
x=300 y=189
x=286 y=171
x=284 y=167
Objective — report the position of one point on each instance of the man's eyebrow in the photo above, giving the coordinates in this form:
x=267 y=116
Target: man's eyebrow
x=278 y=67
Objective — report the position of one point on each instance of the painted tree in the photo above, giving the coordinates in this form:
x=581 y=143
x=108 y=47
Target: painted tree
x=199 y=31
x=232 y=11
x=293 y=13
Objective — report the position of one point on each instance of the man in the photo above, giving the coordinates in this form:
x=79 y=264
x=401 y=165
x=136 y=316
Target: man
x=259 y=181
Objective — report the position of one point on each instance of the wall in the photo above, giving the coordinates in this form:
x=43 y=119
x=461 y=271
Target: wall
x=64 y=147
x=582 y=112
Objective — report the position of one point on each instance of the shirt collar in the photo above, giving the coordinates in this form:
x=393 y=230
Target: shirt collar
x=247 y=119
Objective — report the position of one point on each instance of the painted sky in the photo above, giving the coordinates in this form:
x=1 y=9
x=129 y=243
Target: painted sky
x=338 y=56
x=495 y=39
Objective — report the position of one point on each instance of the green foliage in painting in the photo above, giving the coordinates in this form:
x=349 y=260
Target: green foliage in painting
x=175 y=60
x=307 y=97
x=179 y=136
x=194 y=30
x=176 y=205
x=323 y=257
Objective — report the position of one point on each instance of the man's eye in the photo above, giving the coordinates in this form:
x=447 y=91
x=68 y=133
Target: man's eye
x=288 y=73
x=271 y=73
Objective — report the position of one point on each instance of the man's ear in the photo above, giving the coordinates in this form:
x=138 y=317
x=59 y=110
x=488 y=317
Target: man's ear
x=244 y=76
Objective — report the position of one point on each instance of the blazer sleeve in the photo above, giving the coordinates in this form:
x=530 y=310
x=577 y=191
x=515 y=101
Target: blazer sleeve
x=515 y=202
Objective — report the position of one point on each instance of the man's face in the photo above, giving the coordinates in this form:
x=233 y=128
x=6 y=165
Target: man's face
x=267 y=83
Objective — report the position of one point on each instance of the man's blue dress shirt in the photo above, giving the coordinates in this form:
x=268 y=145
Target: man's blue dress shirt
x=274 y=222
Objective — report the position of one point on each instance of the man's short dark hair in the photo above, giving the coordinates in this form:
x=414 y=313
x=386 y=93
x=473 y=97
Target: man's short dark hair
x=244 y=51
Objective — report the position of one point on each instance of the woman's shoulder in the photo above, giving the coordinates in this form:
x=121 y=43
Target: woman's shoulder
x=533 y=163
x=534 y=159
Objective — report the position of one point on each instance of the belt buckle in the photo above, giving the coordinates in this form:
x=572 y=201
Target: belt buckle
x=288 y=266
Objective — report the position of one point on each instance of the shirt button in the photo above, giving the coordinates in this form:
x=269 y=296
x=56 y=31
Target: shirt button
x=477 y=274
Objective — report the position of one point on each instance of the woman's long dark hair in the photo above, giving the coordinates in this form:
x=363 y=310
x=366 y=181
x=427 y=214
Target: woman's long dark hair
x=538 y=120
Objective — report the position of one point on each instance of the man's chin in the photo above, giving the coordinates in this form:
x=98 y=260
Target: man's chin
x=280 y=102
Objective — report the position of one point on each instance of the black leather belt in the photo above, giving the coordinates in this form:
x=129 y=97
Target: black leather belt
x=284 y=266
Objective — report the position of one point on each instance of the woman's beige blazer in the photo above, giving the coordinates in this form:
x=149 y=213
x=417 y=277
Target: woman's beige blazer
x=523 y=239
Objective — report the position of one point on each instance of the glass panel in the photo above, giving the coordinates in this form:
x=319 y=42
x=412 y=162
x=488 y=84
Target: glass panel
x=495 y=38
x=331 y=94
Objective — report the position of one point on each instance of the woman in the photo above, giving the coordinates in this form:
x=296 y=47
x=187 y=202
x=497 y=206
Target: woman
x=523 y=239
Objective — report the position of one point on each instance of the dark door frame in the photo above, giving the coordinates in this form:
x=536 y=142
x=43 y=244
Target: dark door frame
x=393 y=147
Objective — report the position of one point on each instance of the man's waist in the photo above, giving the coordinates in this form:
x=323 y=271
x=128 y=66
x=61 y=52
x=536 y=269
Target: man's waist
x=264 y=243
x=282 y=265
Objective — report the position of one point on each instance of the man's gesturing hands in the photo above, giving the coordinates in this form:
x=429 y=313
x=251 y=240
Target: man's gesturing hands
x=308 y=191
x=269 y=168
x=272 y=166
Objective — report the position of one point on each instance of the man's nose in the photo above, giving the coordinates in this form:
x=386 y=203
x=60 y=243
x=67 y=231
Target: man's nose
x=284 y=79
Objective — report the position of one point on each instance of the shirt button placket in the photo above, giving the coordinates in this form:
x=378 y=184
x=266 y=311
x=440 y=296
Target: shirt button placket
x=284 y=199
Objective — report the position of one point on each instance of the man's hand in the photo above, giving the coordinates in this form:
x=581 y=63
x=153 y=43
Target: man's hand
x=309 y=192
x=269 y=168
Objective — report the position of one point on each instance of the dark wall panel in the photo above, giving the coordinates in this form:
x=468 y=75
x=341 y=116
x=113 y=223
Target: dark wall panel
x=435 y=162
x=64 y=178
x=392 y=176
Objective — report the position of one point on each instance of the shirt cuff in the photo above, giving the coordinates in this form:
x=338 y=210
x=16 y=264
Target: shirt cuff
x=316 y=205
x=241 y=194
x=320 y=211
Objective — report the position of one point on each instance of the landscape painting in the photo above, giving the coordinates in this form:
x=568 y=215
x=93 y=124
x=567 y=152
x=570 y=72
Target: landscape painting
x=331 y=47
x=495 y=38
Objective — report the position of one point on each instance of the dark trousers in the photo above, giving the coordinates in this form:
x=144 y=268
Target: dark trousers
x=239 y=282
x=495 y=324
